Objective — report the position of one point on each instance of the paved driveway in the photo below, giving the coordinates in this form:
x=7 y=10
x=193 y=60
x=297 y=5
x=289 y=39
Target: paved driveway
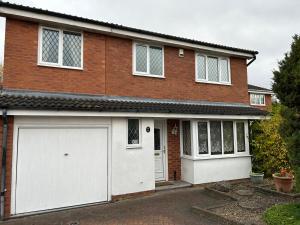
x=161 y=208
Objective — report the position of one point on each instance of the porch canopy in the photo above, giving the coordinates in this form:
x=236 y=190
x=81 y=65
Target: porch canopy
x=29 y=100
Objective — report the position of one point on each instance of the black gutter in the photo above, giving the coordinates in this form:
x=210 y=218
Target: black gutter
x=3 y=165
x=252 y=60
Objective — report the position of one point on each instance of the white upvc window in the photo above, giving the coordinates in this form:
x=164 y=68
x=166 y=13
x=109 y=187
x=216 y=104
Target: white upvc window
x=212 y=69
x=60 y=48
x=133 y=133
x=148 y=60
x=257 y=99
x=215 y=138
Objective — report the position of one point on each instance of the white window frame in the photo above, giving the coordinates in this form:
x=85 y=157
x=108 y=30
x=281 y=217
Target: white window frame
x=206 y=71
x=147 y=74
x=195 y=145
x=257 y=94
x=139 y=145
x=181 y=140
x=60 y=49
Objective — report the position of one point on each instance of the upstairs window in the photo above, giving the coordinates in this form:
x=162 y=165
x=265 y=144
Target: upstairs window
x=148 y=60
x=60 y=48
x=212 y=69
x=257 y=99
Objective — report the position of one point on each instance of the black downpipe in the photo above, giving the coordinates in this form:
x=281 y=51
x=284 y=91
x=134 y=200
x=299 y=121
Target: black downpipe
x=252 y=60
x=3 y=165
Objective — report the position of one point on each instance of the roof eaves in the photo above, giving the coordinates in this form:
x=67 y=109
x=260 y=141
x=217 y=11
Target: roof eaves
x=124 y=28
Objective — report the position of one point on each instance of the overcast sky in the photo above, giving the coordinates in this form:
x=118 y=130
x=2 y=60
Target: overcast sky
x=266 y=26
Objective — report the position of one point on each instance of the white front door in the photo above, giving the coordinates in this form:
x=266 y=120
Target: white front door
x=159 y=150
x=60 y=167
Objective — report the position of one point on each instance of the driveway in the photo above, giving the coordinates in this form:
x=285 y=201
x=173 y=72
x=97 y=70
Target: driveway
x=162 y=208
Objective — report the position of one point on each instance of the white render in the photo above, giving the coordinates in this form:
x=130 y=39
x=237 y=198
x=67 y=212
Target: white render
x=132 y=168
x=215 y=169
x=121 y=169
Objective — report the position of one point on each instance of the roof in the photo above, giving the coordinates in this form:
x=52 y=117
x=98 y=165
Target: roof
x=15 y=99
x=258 y=89
x=121 y=27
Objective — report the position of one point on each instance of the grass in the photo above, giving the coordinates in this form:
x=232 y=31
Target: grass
x=287 y=214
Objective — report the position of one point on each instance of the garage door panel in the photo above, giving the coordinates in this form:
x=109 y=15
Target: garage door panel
x=60 y=167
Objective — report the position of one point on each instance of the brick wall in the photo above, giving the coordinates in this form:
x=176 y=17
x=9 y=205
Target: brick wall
x=174 y=160
x=108 y=70
x=7 y=196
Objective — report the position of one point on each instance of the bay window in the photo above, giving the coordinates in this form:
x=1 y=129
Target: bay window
x=214 y=138
x=212 y=69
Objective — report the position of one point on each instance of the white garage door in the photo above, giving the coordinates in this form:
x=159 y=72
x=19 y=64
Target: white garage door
x=60 y=167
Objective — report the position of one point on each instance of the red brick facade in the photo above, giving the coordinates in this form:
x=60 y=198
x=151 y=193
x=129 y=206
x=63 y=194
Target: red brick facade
x=174 y=160
x=107 y=69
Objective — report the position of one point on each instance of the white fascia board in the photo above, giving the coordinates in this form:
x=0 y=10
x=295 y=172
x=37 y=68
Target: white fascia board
x=5 y=11
x=122 y=114
x=261 y=92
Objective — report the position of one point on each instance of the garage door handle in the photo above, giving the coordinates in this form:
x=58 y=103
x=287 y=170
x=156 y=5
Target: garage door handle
x=66 y=154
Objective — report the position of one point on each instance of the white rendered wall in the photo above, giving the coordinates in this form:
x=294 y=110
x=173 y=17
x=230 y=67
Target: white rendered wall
x=132 y=168
x=214 y=170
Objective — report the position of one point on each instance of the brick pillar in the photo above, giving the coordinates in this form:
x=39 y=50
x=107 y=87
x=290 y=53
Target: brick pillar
x=174 y=161
x=7 y=195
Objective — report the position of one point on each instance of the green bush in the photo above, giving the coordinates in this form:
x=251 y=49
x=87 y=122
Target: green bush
x=288 y=214
x=268 y=147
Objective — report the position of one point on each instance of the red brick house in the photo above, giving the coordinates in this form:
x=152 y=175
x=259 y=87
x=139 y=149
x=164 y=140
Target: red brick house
x=260 y=97
x=93 y=111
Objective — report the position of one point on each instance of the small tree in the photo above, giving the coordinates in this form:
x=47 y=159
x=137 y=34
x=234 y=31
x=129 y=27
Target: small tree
x=268 y=147
x=287 y=88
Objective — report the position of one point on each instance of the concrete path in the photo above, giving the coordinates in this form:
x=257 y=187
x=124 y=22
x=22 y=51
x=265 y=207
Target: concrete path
x=162 y=208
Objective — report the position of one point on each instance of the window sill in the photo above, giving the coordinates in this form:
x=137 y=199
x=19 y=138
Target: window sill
x=258 y=104
x=60 y=67
x=211 y=82
x=215 y=157
x=149 y=75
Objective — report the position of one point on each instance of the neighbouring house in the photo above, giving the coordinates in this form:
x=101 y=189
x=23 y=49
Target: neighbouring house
x=93 y=111
x=260 y=97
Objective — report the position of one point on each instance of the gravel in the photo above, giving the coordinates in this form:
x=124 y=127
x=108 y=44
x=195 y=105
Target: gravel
x=248 y=209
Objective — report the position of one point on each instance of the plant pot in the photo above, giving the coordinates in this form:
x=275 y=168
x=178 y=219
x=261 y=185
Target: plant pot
x=283 y=184
x=257 y=178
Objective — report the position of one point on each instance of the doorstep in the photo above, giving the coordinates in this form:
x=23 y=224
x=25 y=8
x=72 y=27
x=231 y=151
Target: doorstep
x=170 y=185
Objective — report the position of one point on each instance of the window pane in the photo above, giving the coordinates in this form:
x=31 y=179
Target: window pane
x=240 y=129
x=201 y=67
x=252 y=99
x=224 y=70
x=141 y=58
x=156 y=139
x=133 y=131
x=186 y=137
x=202 y=138
x=50 y=44
x=262 y=99
x=156 y=60
x=228 y=137
x=215 y=137
x=212 y=69
x=72 y=49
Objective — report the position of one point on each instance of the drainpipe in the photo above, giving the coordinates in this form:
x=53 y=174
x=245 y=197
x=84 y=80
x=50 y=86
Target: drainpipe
x=3 y=165
x=252 y=60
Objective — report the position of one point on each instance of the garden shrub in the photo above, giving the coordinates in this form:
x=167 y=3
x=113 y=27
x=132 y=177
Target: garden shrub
x=268 y=147
x=288 y=214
